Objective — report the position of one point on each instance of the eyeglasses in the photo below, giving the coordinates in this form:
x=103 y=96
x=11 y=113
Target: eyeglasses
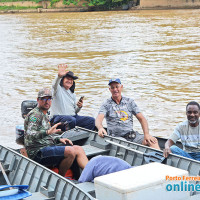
x=45 y=99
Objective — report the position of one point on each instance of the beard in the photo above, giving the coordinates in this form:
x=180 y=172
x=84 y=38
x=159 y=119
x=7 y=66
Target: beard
x=193 y=121
x=45 y=107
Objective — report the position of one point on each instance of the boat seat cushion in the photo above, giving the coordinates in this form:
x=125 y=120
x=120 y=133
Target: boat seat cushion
x=94 y=151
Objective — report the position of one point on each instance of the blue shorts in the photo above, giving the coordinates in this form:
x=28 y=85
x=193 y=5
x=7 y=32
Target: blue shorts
x=50 y=156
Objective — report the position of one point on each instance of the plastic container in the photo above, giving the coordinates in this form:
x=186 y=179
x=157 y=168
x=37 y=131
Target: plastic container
x=140 y=183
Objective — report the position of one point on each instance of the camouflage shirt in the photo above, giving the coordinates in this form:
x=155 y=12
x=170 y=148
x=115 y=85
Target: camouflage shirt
x=35 y=126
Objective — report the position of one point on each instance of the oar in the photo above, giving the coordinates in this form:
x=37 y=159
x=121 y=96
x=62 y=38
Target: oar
x=4 y=174
x=148 y=157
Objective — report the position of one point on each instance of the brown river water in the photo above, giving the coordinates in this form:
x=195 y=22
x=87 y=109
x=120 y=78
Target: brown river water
x=155 y=53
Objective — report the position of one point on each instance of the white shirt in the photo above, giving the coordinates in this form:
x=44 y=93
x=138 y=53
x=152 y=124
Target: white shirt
x=64 y=101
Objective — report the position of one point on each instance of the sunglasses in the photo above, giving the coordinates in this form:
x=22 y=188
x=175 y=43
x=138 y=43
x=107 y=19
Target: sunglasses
x=45 y=98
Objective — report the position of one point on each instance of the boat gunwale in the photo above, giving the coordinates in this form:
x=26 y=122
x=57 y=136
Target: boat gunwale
x=136 y=144
x=8 y=149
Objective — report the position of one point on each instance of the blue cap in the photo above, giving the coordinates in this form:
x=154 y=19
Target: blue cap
x=116 y=80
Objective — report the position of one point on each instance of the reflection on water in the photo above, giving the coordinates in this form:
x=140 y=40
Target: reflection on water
x=155 y=53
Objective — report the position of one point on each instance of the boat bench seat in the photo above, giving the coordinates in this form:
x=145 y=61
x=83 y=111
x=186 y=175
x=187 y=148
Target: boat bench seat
x=2 y=179
x=94 y=151
x=6 y=168
x=39 y=196
x=75 y=135
x=87 y=187
x=44 y=194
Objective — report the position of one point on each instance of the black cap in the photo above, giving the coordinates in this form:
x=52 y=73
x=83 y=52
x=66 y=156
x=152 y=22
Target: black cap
x=71 y=74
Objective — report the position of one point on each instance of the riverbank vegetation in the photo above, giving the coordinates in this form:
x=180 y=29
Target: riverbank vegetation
x=18 y=7
x=98 y=4
x=104 y=4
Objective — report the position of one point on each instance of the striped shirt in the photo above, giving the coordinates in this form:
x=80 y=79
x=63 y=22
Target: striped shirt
x=188 y=135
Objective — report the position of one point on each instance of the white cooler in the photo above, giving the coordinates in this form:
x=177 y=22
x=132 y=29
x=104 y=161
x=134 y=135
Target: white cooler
x=146 y=182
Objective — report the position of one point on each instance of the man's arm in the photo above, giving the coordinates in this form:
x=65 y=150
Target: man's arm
x=143 y=123
x=77 y=109
x=167 y=150
x=32 y=124
x=61 y=72
x=55 y=84
x=176 y=135
x=148 y=139
x=54 y=129
x=98 y=124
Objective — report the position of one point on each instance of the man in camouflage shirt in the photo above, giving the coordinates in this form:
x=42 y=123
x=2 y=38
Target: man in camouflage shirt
x=119 y=111
x=41 y=142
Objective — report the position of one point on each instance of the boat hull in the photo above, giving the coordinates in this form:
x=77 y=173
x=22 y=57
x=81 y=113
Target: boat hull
x=46 y=184
x=43 y=183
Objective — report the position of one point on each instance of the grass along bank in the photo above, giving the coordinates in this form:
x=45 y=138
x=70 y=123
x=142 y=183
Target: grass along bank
x=18 y=7
x=66 y=4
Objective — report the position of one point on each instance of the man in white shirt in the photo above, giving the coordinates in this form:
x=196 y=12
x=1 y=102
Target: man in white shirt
x=188 y=132
x=64 y=107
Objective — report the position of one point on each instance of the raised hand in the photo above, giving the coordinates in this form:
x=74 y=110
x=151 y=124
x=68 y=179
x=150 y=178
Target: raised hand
x=62 y=70
x=54 y=129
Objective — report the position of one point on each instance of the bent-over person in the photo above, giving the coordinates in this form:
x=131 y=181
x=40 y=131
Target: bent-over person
x=102 y=165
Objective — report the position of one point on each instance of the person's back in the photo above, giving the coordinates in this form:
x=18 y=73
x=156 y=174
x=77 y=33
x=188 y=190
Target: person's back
x=102 y=165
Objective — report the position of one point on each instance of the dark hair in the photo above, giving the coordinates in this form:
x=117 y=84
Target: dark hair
x=61 y=82
x=193 y=103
